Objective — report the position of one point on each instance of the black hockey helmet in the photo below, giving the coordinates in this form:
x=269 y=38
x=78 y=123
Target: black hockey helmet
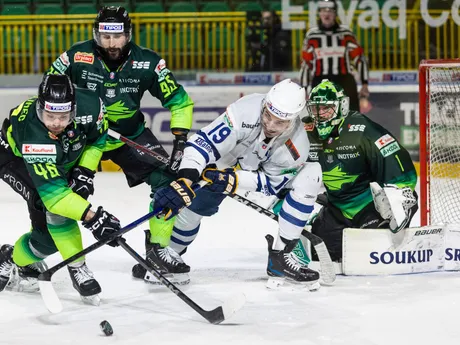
x=56 y=94
x=112 y=20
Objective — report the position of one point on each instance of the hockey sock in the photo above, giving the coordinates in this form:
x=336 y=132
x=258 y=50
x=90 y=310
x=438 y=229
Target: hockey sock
x=181 y=239
x=22 y=253
x=277 y=207
x=301 y=254
x=160 y=230
x=66 y=235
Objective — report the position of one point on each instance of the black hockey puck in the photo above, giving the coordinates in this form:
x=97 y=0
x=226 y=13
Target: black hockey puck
x=139 y=271
x=106 y=328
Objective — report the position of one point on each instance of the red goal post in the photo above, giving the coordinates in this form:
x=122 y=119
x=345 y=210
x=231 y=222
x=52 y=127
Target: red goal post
x=439 y=119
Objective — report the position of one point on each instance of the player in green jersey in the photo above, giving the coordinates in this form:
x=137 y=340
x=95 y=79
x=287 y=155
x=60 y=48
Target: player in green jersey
x=112 y=67
x=48 y=147
x=354 y=151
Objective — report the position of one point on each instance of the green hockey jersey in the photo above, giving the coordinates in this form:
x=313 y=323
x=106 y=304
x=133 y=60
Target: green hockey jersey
x=49 y=158
x=122 y=89
x=359 y=152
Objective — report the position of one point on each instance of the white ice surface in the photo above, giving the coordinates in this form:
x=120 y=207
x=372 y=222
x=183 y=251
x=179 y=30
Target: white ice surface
x=228 y=256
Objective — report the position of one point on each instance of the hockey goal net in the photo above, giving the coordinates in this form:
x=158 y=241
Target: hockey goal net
x=439 y=97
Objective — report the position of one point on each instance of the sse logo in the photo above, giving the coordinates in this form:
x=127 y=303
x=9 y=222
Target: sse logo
x=141 y=64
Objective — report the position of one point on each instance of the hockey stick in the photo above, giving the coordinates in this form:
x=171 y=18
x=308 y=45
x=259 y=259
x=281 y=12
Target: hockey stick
x=137 y=146
x=215 y=316
x=327 y=267
x=49 y=296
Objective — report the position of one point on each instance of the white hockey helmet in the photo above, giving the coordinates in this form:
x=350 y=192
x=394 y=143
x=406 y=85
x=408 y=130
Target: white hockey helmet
x=286 y=100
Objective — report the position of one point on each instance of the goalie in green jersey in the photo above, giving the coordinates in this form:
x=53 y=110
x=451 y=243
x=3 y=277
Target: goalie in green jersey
x=368 y=175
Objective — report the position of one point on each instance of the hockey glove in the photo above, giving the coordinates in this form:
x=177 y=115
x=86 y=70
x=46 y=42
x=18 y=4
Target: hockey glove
x=221 y=181
x=170 y=200
x=103 y=225
x=178 y=149
x=81 y=181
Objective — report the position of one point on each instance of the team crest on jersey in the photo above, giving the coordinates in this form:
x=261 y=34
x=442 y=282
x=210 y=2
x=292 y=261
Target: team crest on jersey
x=70 y=134
x=84 y=57
x=329 y=159
x=112 y=75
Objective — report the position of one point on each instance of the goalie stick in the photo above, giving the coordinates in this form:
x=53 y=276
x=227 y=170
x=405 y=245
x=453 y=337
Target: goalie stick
x=326 y=264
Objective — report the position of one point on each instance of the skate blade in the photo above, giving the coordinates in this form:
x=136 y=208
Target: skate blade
x=176 y=279
x=91 y=300
x=277 y=283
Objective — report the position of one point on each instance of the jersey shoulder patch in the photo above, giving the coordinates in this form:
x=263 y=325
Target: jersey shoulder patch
x=292 y=149
x=81 y=52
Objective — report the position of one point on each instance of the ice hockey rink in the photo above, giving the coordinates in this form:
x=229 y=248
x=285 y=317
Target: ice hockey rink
x=228 y=256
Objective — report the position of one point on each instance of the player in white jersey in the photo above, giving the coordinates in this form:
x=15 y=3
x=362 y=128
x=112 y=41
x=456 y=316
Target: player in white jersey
x=257 y=144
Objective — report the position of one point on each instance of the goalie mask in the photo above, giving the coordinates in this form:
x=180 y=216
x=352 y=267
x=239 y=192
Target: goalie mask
x=56 y=106
x=112 y=33
x=283 y=104
x=327 y=107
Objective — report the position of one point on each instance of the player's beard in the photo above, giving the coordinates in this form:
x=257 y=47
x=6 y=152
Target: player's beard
x=113 y=53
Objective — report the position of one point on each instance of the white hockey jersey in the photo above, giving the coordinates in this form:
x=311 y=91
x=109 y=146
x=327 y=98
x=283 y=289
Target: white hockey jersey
x=236 y=139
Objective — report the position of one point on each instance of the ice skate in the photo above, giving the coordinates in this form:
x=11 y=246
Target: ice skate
x=25 y=279
x=286 y=271
x=83 y=281
x=164 y=259
x=6 y=265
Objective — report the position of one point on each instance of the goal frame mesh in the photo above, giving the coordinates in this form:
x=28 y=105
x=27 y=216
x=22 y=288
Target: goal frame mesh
x=424 y=132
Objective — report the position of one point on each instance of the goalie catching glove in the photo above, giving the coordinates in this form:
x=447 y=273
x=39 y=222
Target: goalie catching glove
x=221 y=181
x=170 y=200
x=103 y=225
x=398 y=205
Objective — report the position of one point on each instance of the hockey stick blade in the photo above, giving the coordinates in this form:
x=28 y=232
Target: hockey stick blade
x=327 y=266
x=214 y=316
x=226 y=310
x=49 y=296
